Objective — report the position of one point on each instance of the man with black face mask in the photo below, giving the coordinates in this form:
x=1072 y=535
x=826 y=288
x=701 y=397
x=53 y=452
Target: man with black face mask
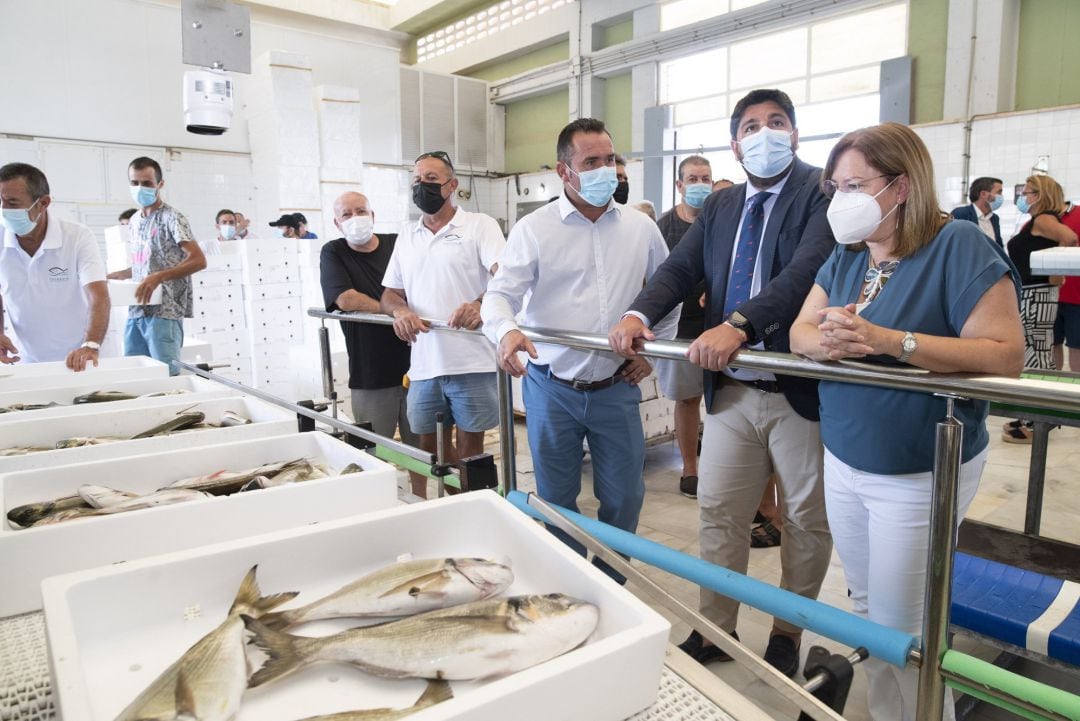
x=439 y=269
x=757 y=246
x=622 y=190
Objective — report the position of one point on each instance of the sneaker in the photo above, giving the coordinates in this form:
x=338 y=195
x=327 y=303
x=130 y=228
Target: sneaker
x=783 y=654
x=1019 y=435
x=694 y=647
x=688 y=486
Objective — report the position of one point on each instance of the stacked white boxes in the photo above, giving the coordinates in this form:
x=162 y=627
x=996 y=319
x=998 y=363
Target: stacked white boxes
x=218 y=305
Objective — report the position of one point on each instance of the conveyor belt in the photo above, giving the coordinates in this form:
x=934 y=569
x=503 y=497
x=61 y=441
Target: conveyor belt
x=26 y=690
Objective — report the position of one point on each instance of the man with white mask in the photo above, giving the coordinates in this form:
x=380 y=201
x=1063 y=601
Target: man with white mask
x=757 y=246
x=351 y=270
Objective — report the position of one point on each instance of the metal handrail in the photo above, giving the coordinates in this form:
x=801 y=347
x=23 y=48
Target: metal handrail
x=947 y=452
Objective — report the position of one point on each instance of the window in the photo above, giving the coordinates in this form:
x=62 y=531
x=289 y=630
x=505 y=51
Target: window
x=480 y=25
x=684 y=12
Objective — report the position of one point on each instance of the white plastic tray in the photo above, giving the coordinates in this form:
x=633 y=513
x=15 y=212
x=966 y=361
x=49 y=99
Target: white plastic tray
x=26 y=376
x=198 y=389
x=1056 y=261
x=112 y=630
x=27 y=556
x=266 y=420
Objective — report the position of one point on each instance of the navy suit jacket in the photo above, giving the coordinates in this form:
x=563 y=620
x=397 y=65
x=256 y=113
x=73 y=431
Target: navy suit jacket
x=796 y=242
x=970 y=212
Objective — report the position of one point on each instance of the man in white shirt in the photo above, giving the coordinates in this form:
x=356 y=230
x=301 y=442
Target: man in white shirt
x=583 y=259
x=52 y=280
x=440 y=268
x=985 y=196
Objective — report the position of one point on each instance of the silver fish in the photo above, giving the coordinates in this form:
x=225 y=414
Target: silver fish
x=102 y=496
x=23 y=450
x=30 y=513
x=225 y=482
x=232 y=418
x=162 y=394
x=79 y=441
x=102 y=397
x=167 y=497
x=405 y=589
x=184 y=419
x=351 y=468
x=473 y=642
x=207 y=682
x=436 y=692
x=27 y=407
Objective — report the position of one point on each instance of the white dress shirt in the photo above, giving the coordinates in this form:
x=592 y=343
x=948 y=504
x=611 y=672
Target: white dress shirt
x=44 y=295
x=582 y=276
x=439 y=272
x=985 y=224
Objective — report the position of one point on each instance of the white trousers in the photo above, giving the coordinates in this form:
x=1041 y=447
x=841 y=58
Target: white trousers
x=881 y=528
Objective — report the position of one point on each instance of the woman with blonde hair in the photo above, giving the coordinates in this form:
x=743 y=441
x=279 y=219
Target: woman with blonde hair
x=905 y=286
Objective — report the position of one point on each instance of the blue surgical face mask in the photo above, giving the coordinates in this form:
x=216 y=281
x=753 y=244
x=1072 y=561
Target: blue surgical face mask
x=17 y=220
x=695 y=194
x=766 y=153
x=228 y=232
x=597 y=185
x=144 y=197
x=1022 y=204
x=996 y=202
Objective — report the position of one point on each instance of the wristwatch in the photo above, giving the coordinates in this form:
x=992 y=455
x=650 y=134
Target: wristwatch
x=738 y=321
x=91 y=345
x=908 y=346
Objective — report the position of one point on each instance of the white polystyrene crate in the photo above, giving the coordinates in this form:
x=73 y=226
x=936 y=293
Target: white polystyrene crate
x=214 y=323
x=196 y=389
x=216 y=278
x=285 y=271
x=229 y=351
x=239 y=335
x=227 y=258
x=271 y=291
x=266 y=420
x=112 y=630
x=29 y=376
x=253 y=249
x=232 y=307
x=262 y=322
x=1056 y=261
x=122 y=293
x=196 y=350
x=27 y=556
x=207 y=295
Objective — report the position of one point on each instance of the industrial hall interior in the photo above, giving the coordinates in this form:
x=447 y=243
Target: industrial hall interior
x=546 y=360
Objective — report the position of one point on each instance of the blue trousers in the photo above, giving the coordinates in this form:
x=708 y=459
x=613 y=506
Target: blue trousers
x=559 y=418
x=159 y=338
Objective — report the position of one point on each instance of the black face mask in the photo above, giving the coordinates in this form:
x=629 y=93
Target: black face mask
x=428 y=197
x=622 y=192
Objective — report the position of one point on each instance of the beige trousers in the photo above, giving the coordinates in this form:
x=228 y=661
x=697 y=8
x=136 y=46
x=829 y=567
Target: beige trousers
x=749 y=435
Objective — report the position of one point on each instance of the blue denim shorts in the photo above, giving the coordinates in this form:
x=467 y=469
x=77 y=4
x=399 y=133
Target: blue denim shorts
x=470 y=401
x=1067 y=326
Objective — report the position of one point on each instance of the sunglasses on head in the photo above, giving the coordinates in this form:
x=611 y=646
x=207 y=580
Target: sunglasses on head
x=437 y=154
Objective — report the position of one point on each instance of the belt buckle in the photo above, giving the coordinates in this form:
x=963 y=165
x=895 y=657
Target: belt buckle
x=580 y=385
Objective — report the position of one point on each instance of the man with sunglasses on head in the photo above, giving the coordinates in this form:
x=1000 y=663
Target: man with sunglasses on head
x=440 y=269
x=581 y=261
x=757 y=246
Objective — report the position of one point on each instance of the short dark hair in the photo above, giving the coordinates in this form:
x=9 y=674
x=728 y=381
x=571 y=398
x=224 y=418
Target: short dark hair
x=756 y=97
x=979 y=185
x=565 y=145
x=142 y=163
x=36 y=183
x=300 y=218
x=223 y=211
x=126 y=215
x=693 y=160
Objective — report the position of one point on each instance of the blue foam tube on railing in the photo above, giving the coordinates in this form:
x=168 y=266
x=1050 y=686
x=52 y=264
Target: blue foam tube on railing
x=882 y=642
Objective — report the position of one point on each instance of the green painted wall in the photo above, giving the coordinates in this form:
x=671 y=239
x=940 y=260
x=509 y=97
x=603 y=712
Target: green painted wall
x=532 y=126
x=615 y=34
x=617 y=110
x=508 y=67
x=1048 y=58
x=928 y=23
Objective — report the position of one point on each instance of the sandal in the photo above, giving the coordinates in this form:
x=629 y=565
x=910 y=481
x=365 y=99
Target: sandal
x=764 y=536
x=1020 y=435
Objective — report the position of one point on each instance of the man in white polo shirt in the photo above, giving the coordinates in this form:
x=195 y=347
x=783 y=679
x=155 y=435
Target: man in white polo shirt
x=52 y=280
x=440 y=269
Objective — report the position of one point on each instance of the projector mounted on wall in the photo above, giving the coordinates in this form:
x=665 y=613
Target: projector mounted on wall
x=208 y=101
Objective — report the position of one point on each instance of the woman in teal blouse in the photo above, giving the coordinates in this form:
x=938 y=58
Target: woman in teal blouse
x=905 y=286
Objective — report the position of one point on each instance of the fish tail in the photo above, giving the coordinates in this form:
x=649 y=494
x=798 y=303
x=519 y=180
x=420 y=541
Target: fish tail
x=249 y=598
x=436 y=692
x=278 y=620
x=286 y=653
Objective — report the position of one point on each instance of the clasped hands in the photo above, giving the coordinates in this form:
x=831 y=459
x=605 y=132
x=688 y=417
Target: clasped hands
x=845 y=334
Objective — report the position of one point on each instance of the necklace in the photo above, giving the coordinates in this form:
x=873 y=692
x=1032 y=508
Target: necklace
x=876 y=277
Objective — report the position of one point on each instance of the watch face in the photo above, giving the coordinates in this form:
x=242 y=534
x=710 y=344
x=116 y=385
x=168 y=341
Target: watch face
x=909 y=343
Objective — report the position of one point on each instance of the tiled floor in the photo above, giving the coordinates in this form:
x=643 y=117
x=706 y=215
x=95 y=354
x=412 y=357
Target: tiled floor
x=671 y=519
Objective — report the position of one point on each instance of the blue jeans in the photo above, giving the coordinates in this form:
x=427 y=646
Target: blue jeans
x=159 y=338
x=469 y=400
x=558 y=419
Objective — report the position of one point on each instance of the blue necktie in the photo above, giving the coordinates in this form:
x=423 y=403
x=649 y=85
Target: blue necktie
x=742 y=269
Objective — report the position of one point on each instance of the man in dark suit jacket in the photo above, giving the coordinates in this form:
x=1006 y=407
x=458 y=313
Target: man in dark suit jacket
x=758 y=247
x=985 y=196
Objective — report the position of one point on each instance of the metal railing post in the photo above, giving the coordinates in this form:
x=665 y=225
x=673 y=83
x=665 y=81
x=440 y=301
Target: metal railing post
x=507 y=446
x=939 y=564
x=327 y=369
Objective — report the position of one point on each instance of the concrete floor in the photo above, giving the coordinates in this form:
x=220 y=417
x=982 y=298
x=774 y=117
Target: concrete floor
x=671 y=519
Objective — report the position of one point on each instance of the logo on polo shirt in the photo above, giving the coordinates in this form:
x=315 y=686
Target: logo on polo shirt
x=451 y=236
x=58 y=274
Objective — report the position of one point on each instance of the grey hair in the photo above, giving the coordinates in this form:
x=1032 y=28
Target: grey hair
x=36 y=183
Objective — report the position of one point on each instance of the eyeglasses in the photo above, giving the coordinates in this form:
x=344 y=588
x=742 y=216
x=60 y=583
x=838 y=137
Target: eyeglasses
x=1026 y=193
x=831 y=187
x=438 y=155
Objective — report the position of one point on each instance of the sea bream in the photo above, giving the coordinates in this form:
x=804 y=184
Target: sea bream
x=436 y=692
x=404 y=589
x=472 y=642
x=207 y=682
